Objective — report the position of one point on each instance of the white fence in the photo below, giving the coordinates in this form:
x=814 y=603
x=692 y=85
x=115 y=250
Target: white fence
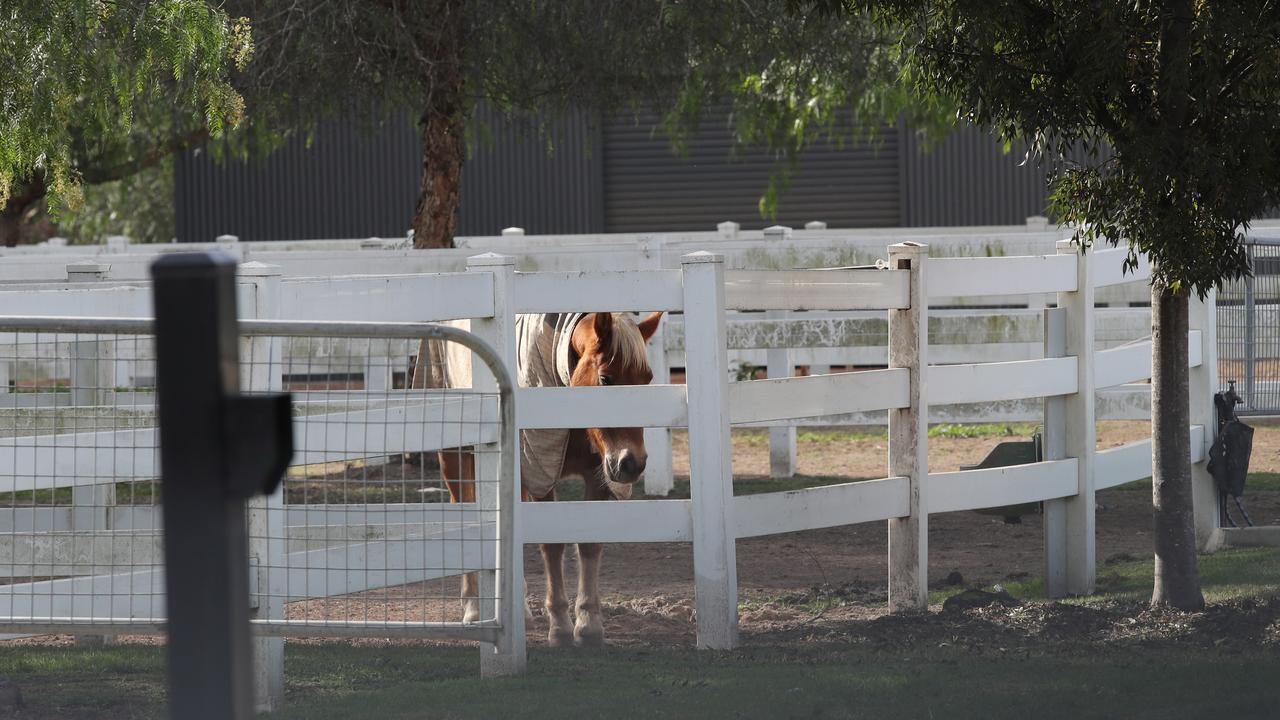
x=778 y=340
x=1066 y=378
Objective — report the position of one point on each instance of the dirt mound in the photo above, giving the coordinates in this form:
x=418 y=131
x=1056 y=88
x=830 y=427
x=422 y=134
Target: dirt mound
x=1247 y=624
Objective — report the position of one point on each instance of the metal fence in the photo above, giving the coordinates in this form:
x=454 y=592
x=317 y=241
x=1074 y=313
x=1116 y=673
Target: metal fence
x=360 y=540
x=1249 y=331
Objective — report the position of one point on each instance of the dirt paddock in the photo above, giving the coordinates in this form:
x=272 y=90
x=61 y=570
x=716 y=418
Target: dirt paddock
x=648 y=588
x=799 y=583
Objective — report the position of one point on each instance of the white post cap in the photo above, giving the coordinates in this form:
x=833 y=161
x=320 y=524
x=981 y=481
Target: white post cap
x=254 y=268
x=490 y=259
x=815 y=225
x=777 y=232
x=87 y=271
x=701 y=256
x=512 y=231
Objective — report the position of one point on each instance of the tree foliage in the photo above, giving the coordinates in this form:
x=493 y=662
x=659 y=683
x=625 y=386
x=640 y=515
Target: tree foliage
x=787 y=79
x=1183 y=93
x=96 y=90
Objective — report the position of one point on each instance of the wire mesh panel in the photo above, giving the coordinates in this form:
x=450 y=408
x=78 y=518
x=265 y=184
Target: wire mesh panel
x=1249 y=331
x=80 y=542
x=361 y=539
x=363 y=535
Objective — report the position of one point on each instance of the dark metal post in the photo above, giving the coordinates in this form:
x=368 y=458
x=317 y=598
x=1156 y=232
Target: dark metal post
x=1250 y=334
x=216 y=449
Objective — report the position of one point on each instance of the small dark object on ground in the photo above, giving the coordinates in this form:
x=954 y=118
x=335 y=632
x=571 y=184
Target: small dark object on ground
x=10 y=697
x=954 y=578
x=974 y=598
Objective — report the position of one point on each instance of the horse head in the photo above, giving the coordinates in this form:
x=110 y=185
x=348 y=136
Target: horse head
x=610 y=349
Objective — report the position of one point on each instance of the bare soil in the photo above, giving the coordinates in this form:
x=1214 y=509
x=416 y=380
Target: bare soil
x=648 y=588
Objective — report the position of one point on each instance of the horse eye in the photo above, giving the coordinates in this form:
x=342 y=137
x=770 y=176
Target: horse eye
x=606 y=380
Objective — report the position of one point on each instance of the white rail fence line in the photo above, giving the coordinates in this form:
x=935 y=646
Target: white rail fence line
x=708 y=404
x=816 y=339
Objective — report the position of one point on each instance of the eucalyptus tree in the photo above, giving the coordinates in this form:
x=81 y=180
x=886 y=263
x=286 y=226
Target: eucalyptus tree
x=1185 y=93
x=95 y=91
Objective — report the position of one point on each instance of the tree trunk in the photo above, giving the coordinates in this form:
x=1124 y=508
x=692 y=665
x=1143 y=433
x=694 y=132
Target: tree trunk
x=443 y=130
x=10 y=228
x=443 y=150
x=17 y=209
x=1177 y=572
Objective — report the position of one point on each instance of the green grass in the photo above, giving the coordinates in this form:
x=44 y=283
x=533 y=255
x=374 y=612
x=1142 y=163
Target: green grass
x=1225 y=575
x=982 y=431
x=741 y=486
x=141 y=492
x=811 y=678
x=756 y=437
x=1260 y=481
x=818 y=680
x=814 y=679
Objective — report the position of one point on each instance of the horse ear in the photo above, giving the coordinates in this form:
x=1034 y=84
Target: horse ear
x=649 y=325
x=603 y=326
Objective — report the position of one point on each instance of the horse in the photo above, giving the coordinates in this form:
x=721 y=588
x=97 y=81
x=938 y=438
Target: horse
x=574 y=350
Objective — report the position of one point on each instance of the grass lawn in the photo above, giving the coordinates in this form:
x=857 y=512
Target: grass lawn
x=941 y=673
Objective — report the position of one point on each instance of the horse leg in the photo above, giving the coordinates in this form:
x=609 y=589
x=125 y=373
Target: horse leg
x=589 y=629
x=557 y=605
x=459 y=470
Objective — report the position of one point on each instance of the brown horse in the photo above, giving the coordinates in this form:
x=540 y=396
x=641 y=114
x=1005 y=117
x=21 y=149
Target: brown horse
x=597 y=349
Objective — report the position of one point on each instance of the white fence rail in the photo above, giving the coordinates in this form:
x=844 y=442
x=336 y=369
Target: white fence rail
x=1065 y=379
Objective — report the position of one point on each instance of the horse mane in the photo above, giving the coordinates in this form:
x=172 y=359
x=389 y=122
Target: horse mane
x=626 y=346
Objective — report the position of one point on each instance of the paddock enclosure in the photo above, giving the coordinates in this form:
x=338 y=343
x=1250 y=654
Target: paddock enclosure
x=994 y=324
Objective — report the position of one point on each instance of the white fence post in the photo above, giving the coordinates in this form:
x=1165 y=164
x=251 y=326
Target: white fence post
x=909 y=436
x=782 y=439
x=92 y=381
x=501 y=592
x=728 y=230
x=659 y=478
x=1054 y=445
x=1079 y=433
x=262 y=370
x=715 y=572
x=1203 y=383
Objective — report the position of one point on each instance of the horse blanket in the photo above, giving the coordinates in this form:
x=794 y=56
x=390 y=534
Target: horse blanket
x=543 y=359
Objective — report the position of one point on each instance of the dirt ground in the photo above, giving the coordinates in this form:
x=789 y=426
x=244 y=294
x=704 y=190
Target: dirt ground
x=648 y=588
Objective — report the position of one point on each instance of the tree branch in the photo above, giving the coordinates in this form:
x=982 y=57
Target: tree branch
x=158 y=152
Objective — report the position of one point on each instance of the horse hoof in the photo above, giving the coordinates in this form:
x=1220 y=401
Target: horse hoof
x=588 y=637
x=561 y=638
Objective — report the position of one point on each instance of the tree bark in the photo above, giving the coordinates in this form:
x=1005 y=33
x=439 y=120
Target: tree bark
x=1177 y=572
x=17 y=208
x=443 y=130
x=443 y=151
x=10 y=228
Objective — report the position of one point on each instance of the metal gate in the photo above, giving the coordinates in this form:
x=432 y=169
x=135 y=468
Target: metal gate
x=360 y=540
x=1249 y=331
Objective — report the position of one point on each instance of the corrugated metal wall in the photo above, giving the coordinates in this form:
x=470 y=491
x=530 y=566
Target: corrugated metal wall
x=647 y=187
x=967 y=179
x=619 y=178
x=348 y=183
x=511 y=179
x=351 y=183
